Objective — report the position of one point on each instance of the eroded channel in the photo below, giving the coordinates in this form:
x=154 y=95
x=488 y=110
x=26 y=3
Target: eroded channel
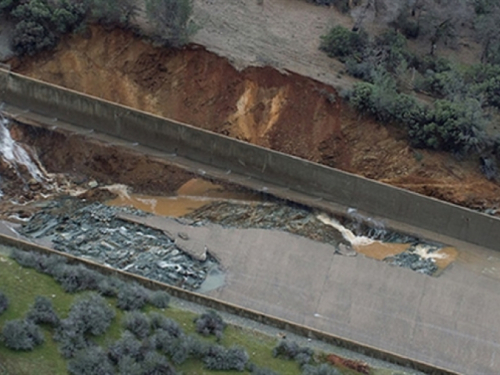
x=90 y=197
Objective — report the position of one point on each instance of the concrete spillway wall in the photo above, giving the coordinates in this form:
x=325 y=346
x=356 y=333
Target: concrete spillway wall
x=273 y=167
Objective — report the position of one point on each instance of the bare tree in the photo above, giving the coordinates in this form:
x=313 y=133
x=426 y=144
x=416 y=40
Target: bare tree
x=487 y=34
x=170 y=20
x=441 y=21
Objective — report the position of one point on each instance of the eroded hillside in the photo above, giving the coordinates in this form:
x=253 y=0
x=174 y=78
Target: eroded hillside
x=285 y=112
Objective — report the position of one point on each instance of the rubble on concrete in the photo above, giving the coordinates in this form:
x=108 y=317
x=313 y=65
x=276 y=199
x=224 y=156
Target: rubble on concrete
x=414 y=261
x=119 y=238
x=304 y=222
x=274 y=216
x=93 y=231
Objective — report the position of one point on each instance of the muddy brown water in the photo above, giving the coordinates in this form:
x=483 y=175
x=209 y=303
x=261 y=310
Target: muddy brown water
x=381 y=250
x=192 y=195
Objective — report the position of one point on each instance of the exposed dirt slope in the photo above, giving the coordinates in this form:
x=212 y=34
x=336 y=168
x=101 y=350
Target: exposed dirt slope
x=289 y=113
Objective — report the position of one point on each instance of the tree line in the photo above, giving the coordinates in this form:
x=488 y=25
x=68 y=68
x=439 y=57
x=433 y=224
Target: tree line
x=39 y=24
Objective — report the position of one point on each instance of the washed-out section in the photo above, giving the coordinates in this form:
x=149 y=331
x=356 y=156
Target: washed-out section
x=93 y=231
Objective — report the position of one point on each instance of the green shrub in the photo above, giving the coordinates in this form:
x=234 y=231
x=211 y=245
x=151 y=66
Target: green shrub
x=109 y=286
x=31 y=37
x=21 y=335
x=219 y=358
x=70 y=340
x=161 y=322
x=341 y=42
x=451 y=126
x=138 y=323
x=113 y=12
x=129 y=366
x=159 y=299
x=91 y=314
x=90 y=361
x=390 y=47
x=128 y=346
x=42 y=312
x=155 y=363
x=448 y=84
x=490 y=88
x=6 y=6
x=131 y=296
x=75 y=278
x=210 y=323
x=291 y=350
x=41 y=262
x=69 y=15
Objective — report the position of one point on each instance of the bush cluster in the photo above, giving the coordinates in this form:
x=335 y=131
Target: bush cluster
x=76 y=278
x=138 y=323
x=342 y=43
x=219 y=358
x=149 y=343
x=91 y=361
x=210 y=323
x=457 y=127
x=291 y=350
x=21 y=334
x=455 y=123
x=41 y=23
x=88 y=316
x=159 y=299
x=131 y=296
x=42 y=312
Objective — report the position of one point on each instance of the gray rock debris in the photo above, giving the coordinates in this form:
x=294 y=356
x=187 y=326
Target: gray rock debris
x=93 y=231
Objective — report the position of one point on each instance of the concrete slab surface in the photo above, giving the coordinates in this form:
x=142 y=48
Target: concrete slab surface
x=450 y=321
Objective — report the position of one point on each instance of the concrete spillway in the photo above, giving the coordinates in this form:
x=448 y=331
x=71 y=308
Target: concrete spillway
x=449 y=322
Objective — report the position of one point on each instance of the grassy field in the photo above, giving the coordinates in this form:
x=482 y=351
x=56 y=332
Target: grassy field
x=22 y=285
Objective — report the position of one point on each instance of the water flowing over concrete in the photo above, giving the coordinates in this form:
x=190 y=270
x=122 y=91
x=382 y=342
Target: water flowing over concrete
x=15 y=155
x=346 y=233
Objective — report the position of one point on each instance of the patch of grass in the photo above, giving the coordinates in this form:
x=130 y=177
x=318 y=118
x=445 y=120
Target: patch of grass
x=22 y=285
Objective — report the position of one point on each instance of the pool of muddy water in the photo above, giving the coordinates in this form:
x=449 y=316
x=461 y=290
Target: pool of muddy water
x=192 y=195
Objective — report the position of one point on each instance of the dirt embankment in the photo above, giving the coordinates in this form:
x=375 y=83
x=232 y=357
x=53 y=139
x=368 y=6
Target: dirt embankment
x=285 y=112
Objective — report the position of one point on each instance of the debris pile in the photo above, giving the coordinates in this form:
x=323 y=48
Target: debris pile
x=418 y=258
x=274 y=216
x=93 y=231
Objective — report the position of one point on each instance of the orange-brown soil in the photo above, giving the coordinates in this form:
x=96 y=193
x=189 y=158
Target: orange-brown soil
x=285 y=112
